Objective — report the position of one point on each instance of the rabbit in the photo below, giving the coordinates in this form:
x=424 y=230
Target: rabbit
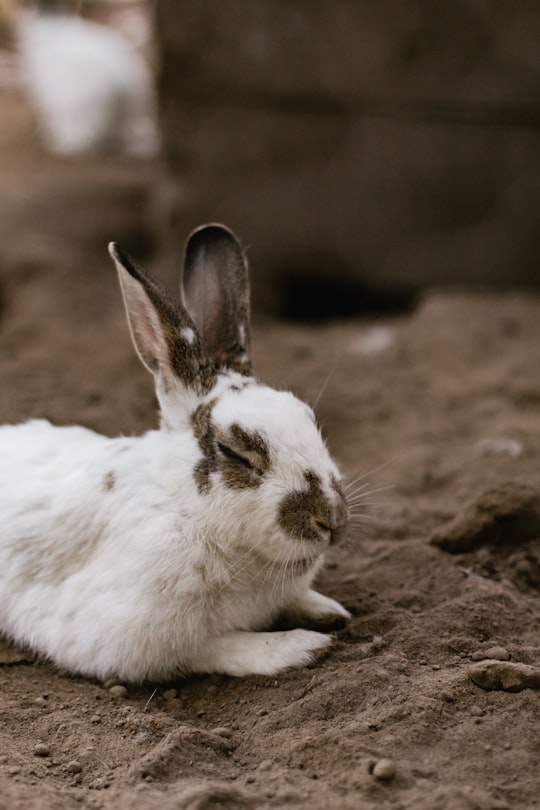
x=175 y=552
x=91 y=89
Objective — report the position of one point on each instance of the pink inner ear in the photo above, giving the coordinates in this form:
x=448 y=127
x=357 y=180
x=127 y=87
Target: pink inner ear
x=216 y=294
x=206 y=309
x=146 y=330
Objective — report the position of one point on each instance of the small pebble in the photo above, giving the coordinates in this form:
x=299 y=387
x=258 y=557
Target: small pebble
x=95 y=719
x=3 y=759
x=119 y=691
x=265 y=765
x=496 y=653
x=74 y=766
x=384 y=770
x=262 y=712
x=501 y=447
x=42 y=750
x=477 y=711
x=13 y=770
x=170 y=694
x=223 y=732
x=504 y=676
x=523 y=568
x=373 y=341
x=112 y=682
x=41 y=701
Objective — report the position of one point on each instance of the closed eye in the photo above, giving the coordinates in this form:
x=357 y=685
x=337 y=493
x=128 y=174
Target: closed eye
x=232 y=455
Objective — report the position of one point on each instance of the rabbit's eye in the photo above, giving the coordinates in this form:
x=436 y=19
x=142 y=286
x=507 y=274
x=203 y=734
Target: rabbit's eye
x=233 y=456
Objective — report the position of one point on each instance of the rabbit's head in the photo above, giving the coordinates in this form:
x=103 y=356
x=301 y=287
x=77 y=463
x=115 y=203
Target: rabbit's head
x=263 y=467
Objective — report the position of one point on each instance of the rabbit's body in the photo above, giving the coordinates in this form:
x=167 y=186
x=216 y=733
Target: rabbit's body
x=171 y=552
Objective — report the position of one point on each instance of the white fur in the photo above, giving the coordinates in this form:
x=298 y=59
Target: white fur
x=92 y=90
x=113 y=561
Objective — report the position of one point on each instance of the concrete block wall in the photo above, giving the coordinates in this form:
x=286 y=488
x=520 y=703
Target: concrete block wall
x=392 y=141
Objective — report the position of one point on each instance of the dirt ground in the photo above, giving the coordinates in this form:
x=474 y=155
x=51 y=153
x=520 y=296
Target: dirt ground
x=429 y=697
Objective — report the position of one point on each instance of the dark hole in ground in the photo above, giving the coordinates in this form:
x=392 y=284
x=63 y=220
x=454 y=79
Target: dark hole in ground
x=316 y=297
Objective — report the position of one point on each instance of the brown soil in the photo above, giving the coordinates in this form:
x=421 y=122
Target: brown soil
x=439 y=410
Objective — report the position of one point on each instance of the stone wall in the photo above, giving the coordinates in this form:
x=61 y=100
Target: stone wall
x=392 y=141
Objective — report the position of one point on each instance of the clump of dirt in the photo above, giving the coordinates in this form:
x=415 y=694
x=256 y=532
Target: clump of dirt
x=508 y=513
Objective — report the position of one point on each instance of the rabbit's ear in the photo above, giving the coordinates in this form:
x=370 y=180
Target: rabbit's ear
x=216 y=294
x=164 y=335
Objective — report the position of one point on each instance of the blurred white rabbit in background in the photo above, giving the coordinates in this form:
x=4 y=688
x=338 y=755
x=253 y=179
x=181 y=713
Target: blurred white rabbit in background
x=92 y=90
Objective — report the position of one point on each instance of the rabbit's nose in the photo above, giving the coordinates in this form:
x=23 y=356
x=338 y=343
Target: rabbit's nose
x=329 y=531
x=323 y=530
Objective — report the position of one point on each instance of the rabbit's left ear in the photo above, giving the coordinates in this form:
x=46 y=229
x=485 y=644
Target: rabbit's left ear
x=216 y=294
x=164 y=335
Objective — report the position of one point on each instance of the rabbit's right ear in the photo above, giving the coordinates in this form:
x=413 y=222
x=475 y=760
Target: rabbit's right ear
x=215 y=288
x=164 y=335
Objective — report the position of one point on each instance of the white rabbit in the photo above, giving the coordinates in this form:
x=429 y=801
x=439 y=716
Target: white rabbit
x=175 y=551
x=91 y=89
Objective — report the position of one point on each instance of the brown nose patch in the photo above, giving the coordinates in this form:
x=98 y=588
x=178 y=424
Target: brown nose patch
x=299 y=510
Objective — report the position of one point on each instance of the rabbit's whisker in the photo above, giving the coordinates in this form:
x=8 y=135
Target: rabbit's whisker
x=362 y=476
x=327 y=380
x=241 y=564
x=367 y=493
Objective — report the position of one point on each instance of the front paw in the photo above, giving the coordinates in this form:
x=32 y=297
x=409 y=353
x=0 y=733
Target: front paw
x=243 y=653
x=299 y=648
x=314 y=611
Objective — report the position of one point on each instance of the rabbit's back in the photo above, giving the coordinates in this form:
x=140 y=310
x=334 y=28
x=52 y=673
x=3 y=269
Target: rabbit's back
x=34 y=457
x=45 y=478
x=83 y=573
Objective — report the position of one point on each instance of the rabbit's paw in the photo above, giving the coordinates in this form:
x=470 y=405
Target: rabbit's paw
x=243 y=653
x=313 y=610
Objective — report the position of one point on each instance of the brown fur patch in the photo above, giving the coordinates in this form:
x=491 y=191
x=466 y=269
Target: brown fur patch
x=202 y=472
x=235 y=476
x=241 y=367
x=300 y=511
x=109 y=481
x=252 y=442
x=203 y=429
x=337 y=487
x=247 y=444
x=189 y=362
x=250 y=445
